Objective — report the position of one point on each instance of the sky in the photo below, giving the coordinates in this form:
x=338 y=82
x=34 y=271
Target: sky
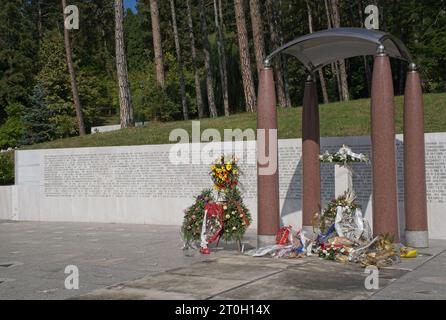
x=130 y=4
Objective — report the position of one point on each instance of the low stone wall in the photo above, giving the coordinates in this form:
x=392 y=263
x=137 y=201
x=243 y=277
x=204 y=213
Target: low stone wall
x=6 y=202
x=113 y=127
x=138 y=184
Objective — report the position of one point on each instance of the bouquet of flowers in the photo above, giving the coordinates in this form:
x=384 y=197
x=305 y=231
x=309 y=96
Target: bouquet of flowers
x=343 y=156
x=225 y=173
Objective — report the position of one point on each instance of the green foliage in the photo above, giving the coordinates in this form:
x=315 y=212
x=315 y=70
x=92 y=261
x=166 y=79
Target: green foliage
x=12 y=130
x=6 y=168
x=150 y=102
x=17 y=50
x=54 y=79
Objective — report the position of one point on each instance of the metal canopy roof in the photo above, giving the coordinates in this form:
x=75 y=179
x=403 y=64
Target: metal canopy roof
x=317 y=49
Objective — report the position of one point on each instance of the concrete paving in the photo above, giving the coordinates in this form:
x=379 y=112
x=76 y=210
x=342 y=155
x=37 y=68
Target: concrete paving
x=146 y=262
x=34 y=255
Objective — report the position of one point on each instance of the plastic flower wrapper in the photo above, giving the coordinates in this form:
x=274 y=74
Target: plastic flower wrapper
x=294 y=247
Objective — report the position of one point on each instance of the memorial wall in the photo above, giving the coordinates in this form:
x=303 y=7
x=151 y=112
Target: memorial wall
x=139 y=184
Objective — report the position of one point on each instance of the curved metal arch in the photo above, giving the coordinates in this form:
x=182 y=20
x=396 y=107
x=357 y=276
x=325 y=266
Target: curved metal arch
x=318 y=49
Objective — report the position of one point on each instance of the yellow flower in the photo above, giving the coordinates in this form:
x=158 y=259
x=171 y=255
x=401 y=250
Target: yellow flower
x=213 y=167
x=234 y=171
x=229 y=167
x=228 y=216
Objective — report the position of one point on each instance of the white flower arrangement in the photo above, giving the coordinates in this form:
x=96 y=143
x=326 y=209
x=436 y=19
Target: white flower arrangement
x=344 y=155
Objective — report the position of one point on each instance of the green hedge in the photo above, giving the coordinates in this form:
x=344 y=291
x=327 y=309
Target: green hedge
x=6 y=168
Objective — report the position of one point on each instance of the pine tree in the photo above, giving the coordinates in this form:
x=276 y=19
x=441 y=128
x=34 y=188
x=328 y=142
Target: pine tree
x=193 y=50
x=179 y=60
x=245 y=60
x=125 y=102
x=257 y=33
x=73 y=81
x=207 y=62
x=221 y=59
x=37 y=118
x=157 y=47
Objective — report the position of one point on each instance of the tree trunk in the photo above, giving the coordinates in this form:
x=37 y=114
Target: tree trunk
x=179 y=60
x=198 y=97
x=39 y=20
x=275 y=42
x=368 y=73
x=327 y=11
x=283 y=58
x=220 y=15
x=125 y=101
x=207 y=62
x=257 y=32
x=342 y=71
x=157 y=48
x=76 y=100
x=222 y=60
x=245 y=61
x=334 y=65
x=320 y=71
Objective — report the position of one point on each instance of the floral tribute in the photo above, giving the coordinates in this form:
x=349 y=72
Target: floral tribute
x=343 y=156
x=193 y=217
x=230 y=221
x=346 y=202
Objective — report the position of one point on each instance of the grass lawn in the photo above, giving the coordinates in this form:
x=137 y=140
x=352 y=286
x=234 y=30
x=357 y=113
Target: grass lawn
x=350 y=118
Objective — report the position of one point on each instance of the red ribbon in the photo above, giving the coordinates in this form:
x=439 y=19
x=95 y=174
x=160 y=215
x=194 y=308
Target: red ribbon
x=242 y=212
x=282 y=235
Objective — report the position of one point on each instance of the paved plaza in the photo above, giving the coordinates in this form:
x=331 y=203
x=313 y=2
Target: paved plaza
x=118 y=261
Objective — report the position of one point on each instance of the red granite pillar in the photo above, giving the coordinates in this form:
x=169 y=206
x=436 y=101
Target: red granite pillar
x=311 y=175
x=268 y=209
x=414 y=166
x=385 y=208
